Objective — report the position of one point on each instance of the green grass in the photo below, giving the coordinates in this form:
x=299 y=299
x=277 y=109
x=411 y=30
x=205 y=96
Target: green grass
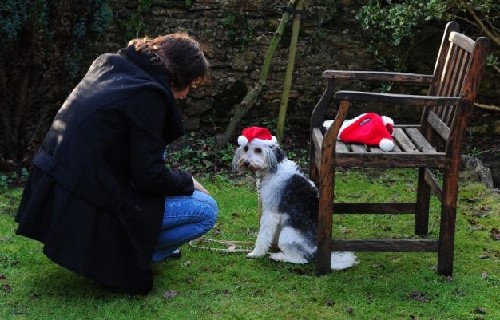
x=207 y=284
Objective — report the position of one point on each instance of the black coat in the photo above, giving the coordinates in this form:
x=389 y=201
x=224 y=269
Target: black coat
x=95 y=194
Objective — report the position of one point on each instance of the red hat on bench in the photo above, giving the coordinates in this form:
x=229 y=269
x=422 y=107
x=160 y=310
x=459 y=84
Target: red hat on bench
x=370 y=129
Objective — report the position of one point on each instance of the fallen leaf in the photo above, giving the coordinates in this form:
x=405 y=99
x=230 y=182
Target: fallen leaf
x=472 y=222
x=495 y=234
x=2 y=276
x=6 y=288
x=476 y=228
x=484 y=208
x=169 y=294
x=419 y=296
x=480 y=310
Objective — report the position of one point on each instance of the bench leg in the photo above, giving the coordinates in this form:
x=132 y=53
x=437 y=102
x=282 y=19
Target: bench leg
x=423 y=201
x=325 y=220
x=323 y=254
x=448 y=219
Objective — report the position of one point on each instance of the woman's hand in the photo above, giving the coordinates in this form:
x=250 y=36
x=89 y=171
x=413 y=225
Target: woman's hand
x=199 y=187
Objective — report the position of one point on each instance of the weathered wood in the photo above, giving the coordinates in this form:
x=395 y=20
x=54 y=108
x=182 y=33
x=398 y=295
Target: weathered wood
x=319 y=110
x=421 y=143
x=326 y=191
x=389 y=245
x=403 y=141
x=432 y=181
x=315 y=152
x=341 y=147
x=393 y=98
x=391 y=160
x=317 y=123
x=463 y=41
x=358 y=147
x=438 y=124
x=378 y=76
x=317 y=138
x=371 y=208
x=434 y=144
x=422 y=205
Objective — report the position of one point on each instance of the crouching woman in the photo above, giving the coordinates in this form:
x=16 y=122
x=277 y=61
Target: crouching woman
x=99 y=195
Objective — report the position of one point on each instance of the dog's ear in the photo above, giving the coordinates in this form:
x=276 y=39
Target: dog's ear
x=280 y=154
x=274 y=155
x=236 y=160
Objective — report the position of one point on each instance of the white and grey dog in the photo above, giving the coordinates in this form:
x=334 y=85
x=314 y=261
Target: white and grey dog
x=289 y=201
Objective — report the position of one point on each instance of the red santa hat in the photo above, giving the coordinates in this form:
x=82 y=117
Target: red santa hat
x=370 y=129
x=256 y=135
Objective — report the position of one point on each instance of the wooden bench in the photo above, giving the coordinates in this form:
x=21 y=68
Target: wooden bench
x=433 y=145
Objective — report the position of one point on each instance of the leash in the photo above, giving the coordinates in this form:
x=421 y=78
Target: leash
x=225 y=246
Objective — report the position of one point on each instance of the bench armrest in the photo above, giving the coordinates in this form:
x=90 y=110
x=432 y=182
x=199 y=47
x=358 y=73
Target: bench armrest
x=378 y=76
x=403 y=99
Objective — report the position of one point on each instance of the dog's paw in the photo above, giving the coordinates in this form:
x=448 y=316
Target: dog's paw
x=256 y=254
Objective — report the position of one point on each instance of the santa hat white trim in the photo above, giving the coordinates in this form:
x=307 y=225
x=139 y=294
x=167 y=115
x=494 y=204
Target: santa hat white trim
x=257 y=136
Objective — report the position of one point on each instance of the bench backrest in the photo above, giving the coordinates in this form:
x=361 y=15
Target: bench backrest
x=457 y=73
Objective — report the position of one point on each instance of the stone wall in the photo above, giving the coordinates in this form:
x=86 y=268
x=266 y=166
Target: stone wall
x=236 y=35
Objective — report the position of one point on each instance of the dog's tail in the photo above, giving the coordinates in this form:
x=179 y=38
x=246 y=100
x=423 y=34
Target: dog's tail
x=343 y=260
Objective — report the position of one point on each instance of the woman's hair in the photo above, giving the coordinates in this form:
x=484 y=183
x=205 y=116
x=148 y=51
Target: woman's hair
x=181 y=55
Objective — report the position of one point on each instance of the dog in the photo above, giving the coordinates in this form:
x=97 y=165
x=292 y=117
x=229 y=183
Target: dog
x=289 y=202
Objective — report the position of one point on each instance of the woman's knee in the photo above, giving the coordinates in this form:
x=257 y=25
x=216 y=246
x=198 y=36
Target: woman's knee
x=212 y=212
x=208 y=208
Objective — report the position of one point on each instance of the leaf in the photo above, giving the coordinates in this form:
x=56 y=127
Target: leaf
x=169 y=294
x=495 y=234
x=6 y=288
x=330 y=303
x=480 y=310
x=419 y=296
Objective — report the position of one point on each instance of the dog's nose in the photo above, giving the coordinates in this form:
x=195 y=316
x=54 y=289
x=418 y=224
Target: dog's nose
x=246 y=163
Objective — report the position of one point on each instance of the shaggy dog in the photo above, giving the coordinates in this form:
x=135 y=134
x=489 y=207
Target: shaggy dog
x=289 y=201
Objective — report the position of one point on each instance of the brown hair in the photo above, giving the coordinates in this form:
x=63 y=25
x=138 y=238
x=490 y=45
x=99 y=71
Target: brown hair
x=182 y=56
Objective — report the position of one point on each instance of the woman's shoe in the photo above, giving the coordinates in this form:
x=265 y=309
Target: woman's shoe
x=176 y=254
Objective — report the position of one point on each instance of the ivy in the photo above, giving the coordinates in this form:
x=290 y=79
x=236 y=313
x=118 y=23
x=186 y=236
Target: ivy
x=134 y=26
x=13 y=15
x=395 y=23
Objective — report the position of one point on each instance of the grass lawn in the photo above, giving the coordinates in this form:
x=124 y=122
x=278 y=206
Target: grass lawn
x=209 y=284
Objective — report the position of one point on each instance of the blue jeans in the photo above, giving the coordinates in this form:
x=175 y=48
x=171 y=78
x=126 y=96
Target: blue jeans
x=186 y=218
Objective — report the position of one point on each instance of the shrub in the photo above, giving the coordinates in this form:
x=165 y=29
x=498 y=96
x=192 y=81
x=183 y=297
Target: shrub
x=41 y=46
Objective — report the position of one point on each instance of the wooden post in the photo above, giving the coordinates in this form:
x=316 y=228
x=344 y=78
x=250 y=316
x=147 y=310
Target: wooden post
x=249 y=100
x=292 y=53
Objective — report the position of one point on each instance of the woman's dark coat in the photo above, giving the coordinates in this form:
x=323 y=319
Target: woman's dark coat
x=95 y=194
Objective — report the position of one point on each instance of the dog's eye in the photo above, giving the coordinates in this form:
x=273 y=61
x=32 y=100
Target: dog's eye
x=258 y=150
x=245 y=148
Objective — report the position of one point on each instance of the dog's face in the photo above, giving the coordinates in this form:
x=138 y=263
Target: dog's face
x=257 y=158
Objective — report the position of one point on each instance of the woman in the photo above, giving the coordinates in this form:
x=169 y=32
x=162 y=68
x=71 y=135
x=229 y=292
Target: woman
x=99 y=195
